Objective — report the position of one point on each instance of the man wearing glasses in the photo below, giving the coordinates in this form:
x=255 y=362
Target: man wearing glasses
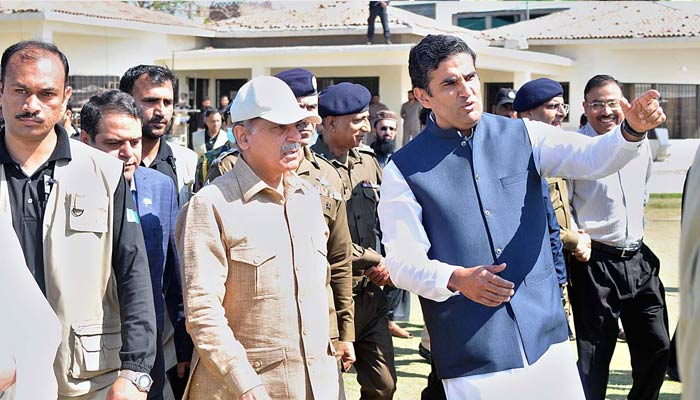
x=621 y=279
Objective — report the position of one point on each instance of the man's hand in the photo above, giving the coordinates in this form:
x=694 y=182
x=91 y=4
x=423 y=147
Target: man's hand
x=256 y=393
x=583 y=248
x=124 y=389
x=482 y=285
x=645 y=112
x=379 y=274
x=345 y=352
x=182 y=367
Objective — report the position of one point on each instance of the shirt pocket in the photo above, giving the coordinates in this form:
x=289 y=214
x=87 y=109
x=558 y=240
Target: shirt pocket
x=96 y=346
x=88 y=212
x=258 y=266
x=510 y=180
x=271 y=365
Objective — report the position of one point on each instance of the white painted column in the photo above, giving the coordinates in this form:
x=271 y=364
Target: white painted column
x=259 y=70
x=520 y=78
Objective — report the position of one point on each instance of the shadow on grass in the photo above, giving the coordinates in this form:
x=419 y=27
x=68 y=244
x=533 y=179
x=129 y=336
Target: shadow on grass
x=621 y=381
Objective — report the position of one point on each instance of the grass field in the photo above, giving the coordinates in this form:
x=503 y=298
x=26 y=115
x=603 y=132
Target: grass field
x=662 y=235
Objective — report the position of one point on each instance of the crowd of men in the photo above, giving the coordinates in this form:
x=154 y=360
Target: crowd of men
x=264 y=264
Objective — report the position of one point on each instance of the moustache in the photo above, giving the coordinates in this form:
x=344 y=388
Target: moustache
x=28 y=114
x=293 y=146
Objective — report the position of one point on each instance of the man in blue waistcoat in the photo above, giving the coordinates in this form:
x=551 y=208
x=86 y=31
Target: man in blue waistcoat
x=465 y=228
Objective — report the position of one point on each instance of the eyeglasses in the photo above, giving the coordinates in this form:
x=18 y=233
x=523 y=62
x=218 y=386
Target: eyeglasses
x=302 y=124
x=557 y=106
x=387 y=128
x=600 y=105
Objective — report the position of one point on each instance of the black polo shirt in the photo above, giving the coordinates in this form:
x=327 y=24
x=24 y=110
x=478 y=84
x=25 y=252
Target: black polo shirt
x=28 y=198
x=164 y=162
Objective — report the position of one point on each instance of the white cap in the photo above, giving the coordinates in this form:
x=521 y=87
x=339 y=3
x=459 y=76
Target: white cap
x=269 y=98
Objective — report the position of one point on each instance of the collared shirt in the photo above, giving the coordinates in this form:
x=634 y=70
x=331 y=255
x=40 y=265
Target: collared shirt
x=555 y=152
x=248 y=288
x=164 y=162
x=362 y=176
x=28 y=195
x=611 y=209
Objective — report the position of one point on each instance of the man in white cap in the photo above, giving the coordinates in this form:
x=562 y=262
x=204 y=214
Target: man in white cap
x=253 y=251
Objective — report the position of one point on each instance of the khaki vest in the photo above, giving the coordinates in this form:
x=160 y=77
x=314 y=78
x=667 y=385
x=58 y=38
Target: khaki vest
x=80 y=284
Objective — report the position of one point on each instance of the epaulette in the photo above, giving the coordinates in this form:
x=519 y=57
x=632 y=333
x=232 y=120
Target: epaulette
x=367 y=150
x=224 y=154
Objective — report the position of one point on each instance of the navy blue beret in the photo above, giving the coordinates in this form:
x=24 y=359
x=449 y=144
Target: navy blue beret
x=301 y=81
x=343 y=99
x=535 y=93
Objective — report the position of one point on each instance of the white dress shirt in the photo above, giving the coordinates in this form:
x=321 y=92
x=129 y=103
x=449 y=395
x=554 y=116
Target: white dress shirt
x=611 y=209
x=556 y=153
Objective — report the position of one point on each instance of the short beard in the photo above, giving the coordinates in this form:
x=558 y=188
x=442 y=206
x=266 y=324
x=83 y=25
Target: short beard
x=147 y=131
x=385 y=146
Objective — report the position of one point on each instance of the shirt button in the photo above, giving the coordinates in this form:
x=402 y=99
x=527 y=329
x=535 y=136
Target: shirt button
x=476 y=177
x=498 y=252
x=487 y=213
x=463 y=144
x=257 y=364
x=30 y=201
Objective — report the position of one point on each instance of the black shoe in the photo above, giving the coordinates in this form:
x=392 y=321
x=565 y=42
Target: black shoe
x=423 y=352
x=673 y=374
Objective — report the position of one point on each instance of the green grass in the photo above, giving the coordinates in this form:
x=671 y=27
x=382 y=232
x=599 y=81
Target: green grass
x=662 y=235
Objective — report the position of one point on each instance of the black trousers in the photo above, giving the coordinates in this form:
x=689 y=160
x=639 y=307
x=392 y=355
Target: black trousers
x=399 y=303
x=374 y=348
x=609 y=287
x=375 y=12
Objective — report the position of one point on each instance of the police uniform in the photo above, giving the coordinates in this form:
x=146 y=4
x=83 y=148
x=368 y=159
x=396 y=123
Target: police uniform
x=205 y=161
x=362 y=175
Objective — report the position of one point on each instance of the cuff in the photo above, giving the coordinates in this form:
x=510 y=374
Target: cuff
x=136 y=367
x=443 y=275
x=242 y=378
x=347 y=331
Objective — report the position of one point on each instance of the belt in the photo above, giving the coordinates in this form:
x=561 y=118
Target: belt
x=615 y=251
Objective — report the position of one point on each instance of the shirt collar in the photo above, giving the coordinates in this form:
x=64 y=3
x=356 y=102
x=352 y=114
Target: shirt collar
x=322 y=148
x=164 y=151
x=251 y=184
x=60 y=152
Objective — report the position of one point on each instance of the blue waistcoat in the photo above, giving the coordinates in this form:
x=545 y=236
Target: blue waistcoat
x=482 y=205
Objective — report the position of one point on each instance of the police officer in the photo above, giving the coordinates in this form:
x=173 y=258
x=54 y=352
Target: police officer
x=324 y=177
x=344 y=108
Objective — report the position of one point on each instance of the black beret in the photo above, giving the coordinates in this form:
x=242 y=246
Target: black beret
x=535 y=93
x=343 y=99
x=505 y=96
x=301 y=81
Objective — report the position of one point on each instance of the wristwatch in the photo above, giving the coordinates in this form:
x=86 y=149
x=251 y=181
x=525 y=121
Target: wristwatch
x=141 y=380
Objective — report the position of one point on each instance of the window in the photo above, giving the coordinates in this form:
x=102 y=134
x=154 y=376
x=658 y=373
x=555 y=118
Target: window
x=370 y=82
x=681 y=103
x=475 y=24
x=85 y=86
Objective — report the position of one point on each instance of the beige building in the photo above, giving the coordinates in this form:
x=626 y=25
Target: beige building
x=643 y=44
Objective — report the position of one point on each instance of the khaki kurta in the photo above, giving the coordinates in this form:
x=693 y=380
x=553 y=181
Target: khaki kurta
x=689 y=321
x=255 y=289
x=322 y=175
x=362 y=176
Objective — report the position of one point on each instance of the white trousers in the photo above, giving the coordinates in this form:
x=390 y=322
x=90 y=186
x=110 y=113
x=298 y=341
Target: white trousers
x=553 y=377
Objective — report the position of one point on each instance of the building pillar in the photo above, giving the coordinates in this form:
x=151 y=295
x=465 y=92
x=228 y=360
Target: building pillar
x=259 y=70
x=520 y=78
